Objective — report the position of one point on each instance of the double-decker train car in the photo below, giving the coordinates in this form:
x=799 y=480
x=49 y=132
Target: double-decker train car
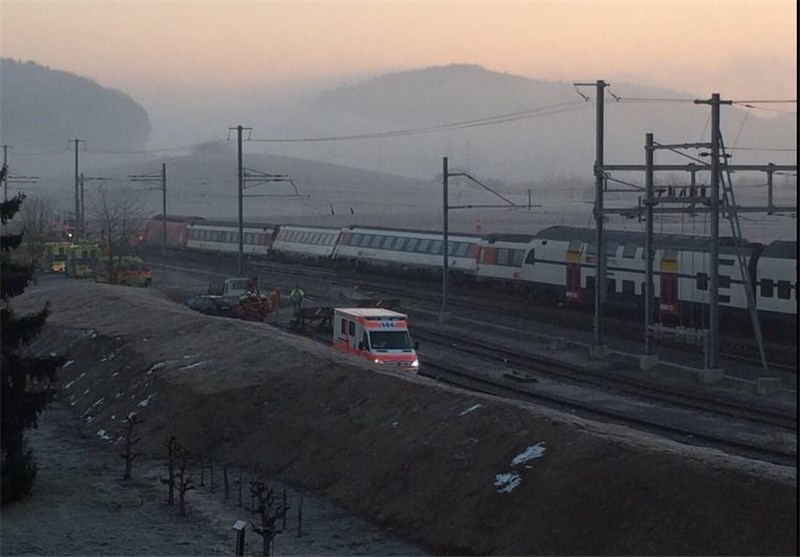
x=304 y=243
x=776 y=283
x=413 y=251
x=224 y=237
x=500 y=259
x=560 y=264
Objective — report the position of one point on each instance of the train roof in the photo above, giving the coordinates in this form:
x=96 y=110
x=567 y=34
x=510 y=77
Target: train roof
x=521 y=238
x=313 y=227
x=353 y=228
x=177 y=218
x=233 y=225
x=781 y=249
x=668 y=241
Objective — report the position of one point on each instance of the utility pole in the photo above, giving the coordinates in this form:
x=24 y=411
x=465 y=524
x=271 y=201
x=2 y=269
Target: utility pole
x=598 y=347
x=253 y=177
x=445 y=208
x=5 y=172
x=162 y=179
x=77 y=143
x=445 y=270
x=240 y=174
x=713 y=204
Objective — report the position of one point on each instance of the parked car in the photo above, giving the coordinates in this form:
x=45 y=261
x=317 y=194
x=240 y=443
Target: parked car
x=211 y=305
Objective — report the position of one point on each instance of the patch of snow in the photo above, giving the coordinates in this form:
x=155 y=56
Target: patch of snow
x=198 y=364
x=155 y=367
x=68 y=385
x=506 y=483
x=86 y=392
x=101 y=433
x=470 y=409
x=534 y=451
x=144 y=402
x=101 y=399
x=68 y=363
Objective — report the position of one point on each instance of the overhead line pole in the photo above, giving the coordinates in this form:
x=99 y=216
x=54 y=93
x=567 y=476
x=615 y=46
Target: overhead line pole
x=598 y=348
x=162 y=178
x=77 y=143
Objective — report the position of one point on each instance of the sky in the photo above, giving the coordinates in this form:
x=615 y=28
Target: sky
x=744 y=50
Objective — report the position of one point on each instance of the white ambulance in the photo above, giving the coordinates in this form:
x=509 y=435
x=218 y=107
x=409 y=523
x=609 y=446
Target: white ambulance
x=379 y=335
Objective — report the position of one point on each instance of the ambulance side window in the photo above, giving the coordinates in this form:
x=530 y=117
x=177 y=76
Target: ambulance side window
x=352 y=327
x=364 y=345
x=343 y=327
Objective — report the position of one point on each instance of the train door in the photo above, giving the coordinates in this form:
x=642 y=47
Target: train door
x=573 y=279
x=668 y=295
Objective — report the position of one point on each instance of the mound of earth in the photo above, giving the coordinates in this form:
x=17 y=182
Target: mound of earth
x=452 y=471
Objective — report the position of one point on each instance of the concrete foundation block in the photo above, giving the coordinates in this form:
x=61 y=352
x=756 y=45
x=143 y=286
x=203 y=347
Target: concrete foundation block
x=768 y=385
x=648 y=361
x=708 y=376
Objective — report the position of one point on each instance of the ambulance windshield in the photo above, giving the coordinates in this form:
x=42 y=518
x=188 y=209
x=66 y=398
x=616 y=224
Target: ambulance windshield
x=390 y=340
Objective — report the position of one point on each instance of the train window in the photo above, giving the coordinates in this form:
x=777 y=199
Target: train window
x=376 y=241
x=611 y=249
x=503 y=257
x=462 y=249
x=387 y=242
x=530 y=259
x=400 y=243
x=767 y=288
x=517 y=257
x=590 y=249
x=355 y=240
x=629 y=287
x=724 y=299
x=726 y=262
x=611 y=285
x=436 y=247
x=423 y=246
x=629 y=251
x=412 y=244
x=248 y=238
x=702 y=281
x=670 y=255
x=784 y=289
x=574 y=245
x=724 y=281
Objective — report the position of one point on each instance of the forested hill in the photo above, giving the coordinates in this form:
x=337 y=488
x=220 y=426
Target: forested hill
x=42 y=108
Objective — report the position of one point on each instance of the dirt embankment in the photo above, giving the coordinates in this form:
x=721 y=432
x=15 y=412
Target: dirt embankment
x=453 y=471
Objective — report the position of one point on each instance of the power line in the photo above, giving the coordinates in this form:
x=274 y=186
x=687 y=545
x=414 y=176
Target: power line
x=486 y=121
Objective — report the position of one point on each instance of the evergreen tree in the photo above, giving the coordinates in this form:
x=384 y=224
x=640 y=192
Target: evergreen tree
x=27 y=382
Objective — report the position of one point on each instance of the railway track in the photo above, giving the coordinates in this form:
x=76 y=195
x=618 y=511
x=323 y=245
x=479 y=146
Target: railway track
x=708 y=418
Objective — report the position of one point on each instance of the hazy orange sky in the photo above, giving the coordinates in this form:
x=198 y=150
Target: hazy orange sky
x=743 y=50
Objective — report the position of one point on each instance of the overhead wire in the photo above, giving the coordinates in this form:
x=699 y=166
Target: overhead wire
x=479 y=122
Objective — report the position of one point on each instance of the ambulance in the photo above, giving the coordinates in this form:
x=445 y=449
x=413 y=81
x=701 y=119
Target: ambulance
x=377 y=334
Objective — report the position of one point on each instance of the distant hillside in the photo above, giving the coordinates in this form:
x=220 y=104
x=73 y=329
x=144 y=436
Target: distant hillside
x=547 y=129
x=43 y=108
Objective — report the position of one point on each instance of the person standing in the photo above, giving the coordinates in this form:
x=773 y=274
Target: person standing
x=296 y=296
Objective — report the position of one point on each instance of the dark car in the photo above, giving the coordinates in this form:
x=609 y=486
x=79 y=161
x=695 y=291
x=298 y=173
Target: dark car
x=210 y=305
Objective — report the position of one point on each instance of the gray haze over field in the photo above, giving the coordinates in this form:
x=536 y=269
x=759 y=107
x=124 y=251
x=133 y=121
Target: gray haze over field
x=515 y=135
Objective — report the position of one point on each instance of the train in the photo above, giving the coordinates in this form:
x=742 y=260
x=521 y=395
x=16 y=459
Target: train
x=555 y=265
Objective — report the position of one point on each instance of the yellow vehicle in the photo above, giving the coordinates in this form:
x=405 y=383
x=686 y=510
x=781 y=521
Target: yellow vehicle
x=82 y=260
x=127 y=270
x=57 y=256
